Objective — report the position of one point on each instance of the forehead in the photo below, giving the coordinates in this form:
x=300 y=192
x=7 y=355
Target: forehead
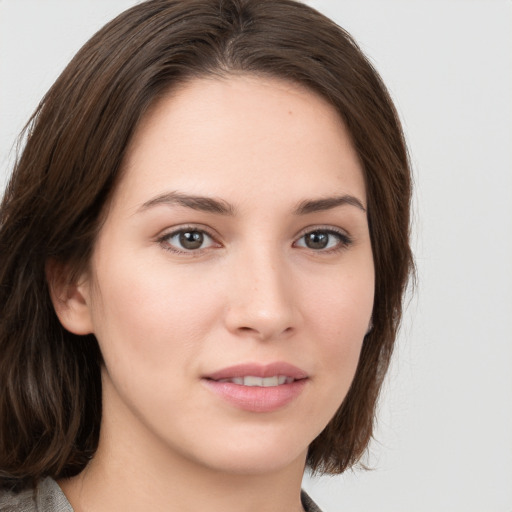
x=245 y=135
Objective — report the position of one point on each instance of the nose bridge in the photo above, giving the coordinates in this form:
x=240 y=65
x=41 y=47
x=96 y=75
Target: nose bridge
x=262 y=297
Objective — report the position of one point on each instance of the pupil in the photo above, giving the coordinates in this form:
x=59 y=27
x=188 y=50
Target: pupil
x=191 y=239
x=317 y=240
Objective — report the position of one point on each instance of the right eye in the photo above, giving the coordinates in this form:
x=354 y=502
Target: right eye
x=187 y=240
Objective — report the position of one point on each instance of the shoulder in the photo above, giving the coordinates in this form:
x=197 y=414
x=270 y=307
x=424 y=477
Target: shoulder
x=24 y=501
x=308 y=504
x=46 y=497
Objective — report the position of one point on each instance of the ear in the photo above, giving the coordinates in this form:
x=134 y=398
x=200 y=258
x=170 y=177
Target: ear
x=70 y=300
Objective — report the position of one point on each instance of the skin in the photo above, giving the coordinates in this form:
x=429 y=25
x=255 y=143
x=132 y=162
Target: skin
x=254 y=291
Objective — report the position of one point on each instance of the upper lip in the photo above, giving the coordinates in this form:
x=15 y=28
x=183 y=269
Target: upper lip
x=258 y=370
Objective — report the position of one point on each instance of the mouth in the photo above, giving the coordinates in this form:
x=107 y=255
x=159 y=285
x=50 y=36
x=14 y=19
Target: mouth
x=258 y=388
x=262 y=375
x=262 y=382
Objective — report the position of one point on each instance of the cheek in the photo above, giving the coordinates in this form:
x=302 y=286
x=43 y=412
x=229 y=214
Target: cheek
x=339 y=314
x=153 y=315
x=341 y=302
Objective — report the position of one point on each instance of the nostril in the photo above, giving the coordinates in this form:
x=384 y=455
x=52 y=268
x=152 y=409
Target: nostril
x=264 y=321
x=263 y=333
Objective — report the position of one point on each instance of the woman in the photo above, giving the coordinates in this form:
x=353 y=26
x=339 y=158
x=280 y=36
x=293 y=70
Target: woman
x=204 y=250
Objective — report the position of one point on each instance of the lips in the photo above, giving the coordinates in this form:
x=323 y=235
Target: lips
x=262 y=371
x=258 y=388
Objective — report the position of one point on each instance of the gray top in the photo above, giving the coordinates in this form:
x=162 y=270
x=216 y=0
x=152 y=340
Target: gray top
x=48 y=497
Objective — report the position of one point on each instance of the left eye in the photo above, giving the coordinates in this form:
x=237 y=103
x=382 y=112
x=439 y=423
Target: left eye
x=322 y=239
x=189 y=240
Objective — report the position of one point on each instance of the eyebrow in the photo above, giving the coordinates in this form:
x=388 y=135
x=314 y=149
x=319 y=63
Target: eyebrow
x=221 y=207
x=327 y=203
x=200 y=203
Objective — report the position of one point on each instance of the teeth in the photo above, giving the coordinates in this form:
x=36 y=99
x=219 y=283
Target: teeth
x=260 y=381
x=265 y=382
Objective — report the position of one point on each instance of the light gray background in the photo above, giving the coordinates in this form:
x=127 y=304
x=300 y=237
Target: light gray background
x=444 y=439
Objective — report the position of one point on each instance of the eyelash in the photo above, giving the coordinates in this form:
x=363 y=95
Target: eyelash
x=163 y=240
x=344 y=241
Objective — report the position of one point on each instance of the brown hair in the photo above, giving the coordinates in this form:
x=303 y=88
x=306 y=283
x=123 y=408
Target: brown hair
x=50 y=388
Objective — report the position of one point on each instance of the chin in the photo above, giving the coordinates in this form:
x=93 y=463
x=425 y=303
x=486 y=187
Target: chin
x=256 y=452
x=258 y=462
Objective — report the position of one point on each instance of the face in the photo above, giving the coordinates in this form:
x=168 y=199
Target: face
x=232 y=282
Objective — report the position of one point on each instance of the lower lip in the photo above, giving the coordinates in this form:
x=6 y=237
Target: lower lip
x=257 y=398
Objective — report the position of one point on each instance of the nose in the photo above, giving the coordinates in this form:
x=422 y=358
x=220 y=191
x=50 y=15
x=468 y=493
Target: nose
x=262 y=303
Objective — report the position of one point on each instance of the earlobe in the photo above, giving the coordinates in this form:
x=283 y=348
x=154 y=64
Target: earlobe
x=70 y=300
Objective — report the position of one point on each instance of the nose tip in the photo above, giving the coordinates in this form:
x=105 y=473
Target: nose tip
x=263 y=329
x=262 y=307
